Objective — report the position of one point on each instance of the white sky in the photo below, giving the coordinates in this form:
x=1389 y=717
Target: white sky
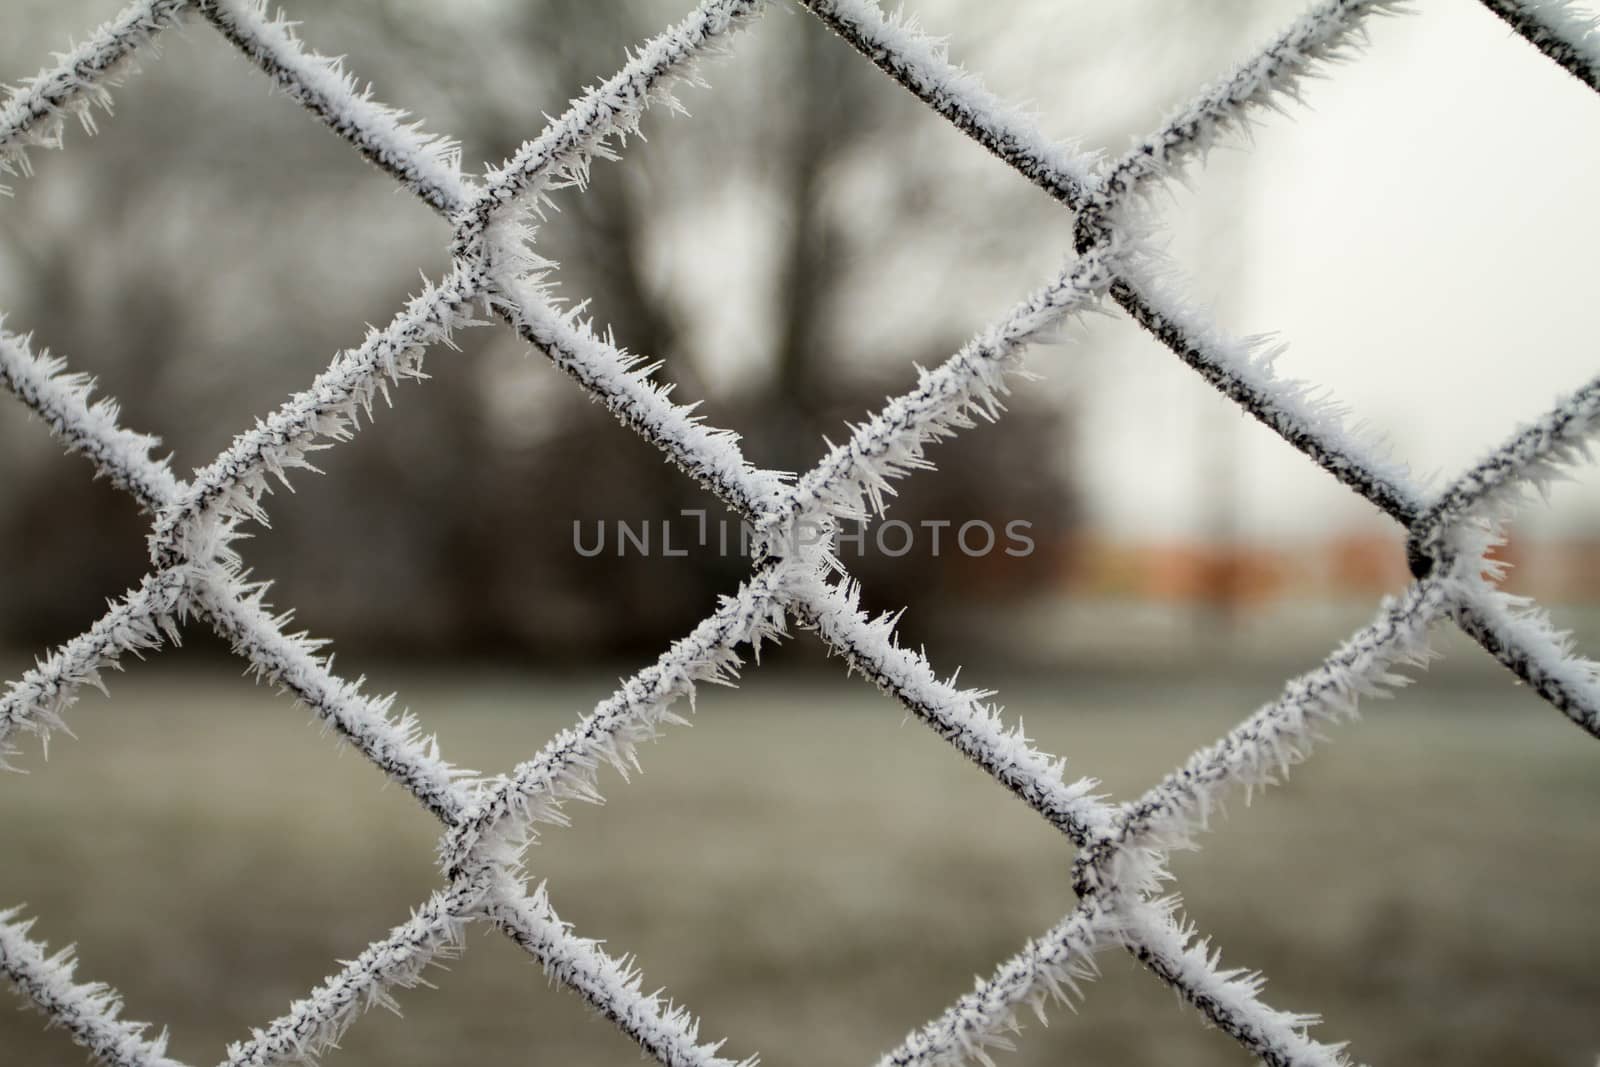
x=1423 y=238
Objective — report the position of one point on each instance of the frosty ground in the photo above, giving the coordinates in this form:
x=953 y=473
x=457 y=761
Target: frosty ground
x=815 y=875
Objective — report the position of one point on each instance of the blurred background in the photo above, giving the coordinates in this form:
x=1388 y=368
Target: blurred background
x=805 y=868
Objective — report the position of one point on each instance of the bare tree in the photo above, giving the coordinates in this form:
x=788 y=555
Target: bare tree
x=187 y=256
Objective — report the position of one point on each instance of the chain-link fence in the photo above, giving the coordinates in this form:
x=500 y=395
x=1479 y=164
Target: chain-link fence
x=489 y=823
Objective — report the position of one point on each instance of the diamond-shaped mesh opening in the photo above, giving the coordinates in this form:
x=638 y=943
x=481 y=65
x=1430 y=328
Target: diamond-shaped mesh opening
x=489 y=1002
x=1403 y=841
x=115 y=260
x=608 y=564
x=208 y=816
x=821 y=905
x=793 y=285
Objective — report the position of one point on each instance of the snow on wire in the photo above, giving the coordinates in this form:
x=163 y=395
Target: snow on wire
x=489 y=824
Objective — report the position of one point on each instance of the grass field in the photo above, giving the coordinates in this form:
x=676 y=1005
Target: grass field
x=815 y=875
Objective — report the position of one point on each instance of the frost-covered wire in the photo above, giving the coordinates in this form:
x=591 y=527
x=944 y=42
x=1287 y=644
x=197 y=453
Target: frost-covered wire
x=623 y=384
x=1236 y=368
x=985 y=1019
x=140 y=619
x=620 y=381
x=1121 y=856
x=136 y=623
x=1536 y=456
x=329 y=410
x=1231 y=999
x=230 y=489
x=1567 y=33
x=1046 y=971
x=568 y=767
x=613 y=987
x=1238 y=373
x=90 y=1012
x=478 y=883
x=1263 y=747
x=898 y=47
x=964 y=717
x=275 y=450
x=1324 y=34
x=561 y=154
x=88 y=427
x=236 y=610
x=722 y=474
x=35 y=112
x=1521 y=636
x=966 y=720
x=495 y=238
x=1244 y=372
x=293 y=663
x=435 y=933
x=478 y=888
x=428 y=165
x=1240 y=370
x=712 y=456
x=313 y=1025
x=852 y=480
x=1513 y=630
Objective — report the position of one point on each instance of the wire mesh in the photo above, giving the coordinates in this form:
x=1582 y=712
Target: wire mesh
x=488 y=823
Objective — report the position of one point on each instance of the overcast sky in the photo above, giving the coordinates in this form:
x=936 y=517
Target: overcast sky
x=1422 y=236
